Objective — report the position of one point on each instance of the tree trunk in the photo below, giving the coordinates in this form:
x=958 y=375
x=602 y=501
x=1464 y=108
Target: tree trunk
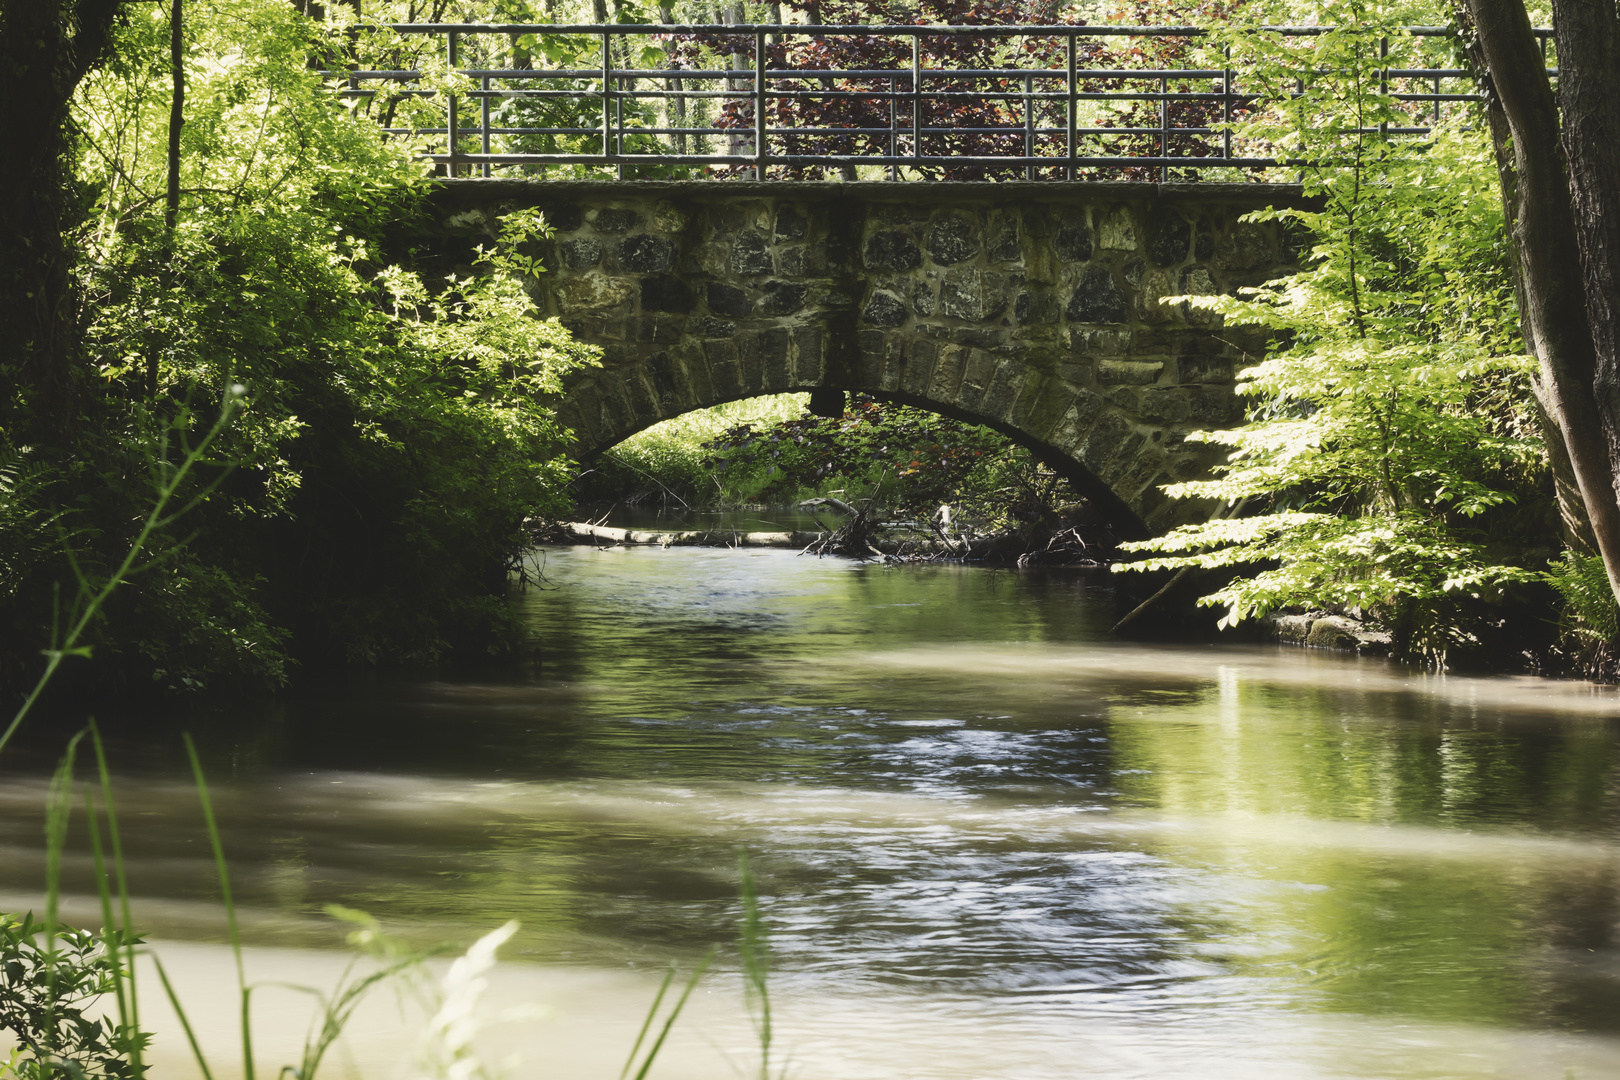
x=46 y=48
x=1552 y=203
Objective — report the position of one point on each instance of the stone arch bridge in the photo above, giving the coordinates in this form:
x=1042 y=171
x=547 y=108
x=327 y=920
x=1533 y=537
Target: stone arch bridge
x=1037 y=309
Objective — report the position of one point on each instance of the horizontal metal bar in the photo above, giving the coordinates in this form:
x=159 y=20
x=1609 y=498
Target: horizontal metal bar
x=887 y=30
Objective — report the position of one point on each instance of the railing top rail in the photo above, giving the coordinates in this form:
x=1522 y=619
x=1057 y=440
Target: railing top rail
x=889 y=30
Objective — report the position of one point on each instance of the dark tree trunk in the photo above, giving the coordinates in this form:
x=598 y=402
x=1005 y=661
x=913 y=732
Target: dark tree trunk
x=1557 y=194
x=46 y=49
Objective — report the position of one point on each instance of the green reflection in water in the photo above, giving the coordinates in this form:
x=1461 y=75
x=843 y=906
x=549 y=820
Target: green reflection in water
x=1434 y=860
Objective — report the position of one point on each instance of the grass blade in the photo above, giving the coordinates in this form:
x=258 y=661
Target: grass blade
x=242 y=987
x=674 y=1014
x=185 y=1023
x=646 y=1025
x=121 y=883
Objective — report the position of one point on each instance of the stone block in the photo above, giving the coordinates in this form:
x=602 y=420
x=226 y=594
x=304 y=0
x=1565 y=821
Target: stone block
x=1073 y=243
x=1117 y=230
x=565 y=217
x=782 y=298
x=1203 y=369
x=657 y=329
x=1005 y=246
x=1133 y=270
x=920 y=361
x=776 y=346
x=669 y=294
x=793 y=261
x=581 y=253
x=1216 y=405
x=1150 y=305
x=808 y=350
x=612 y=219
x=750 y=255
x=948 y=372
x=1169 y=236
x=1036 y=306
x=791 y=224
x=1246 y=246
x=644 y=254
x=1097 y=343
x=1163 y=405
x=1002 y=393
x=972 y=295
x=591 y=293
x=885 y=309
x=1098 y=299
x=1129 y=372
x=892 y=250
x=728 y=300
x=922 y=298
x=952 y=239
x=707 y=326
x=669 y=218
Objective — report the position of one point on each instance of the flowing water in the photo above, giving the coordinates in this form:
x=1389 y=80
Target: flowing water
x=990 y=841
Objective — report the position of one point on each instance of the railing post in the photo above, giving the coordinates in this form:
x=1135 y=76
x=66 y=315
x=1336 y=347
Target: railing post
x=1029 y=125
x=894 y=128
x=1383 y=83
x=451 y=128
x=759 y=105
x=607 y=99
x=916 y=99
x=485 y=116
x=1164 y=128
x=1226 y=106
x=1072 y=120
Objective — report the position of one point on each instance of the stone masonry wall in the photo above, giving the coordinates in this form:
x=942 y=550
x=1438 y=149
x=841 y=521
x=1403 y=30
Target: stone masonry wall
x=1038 y=309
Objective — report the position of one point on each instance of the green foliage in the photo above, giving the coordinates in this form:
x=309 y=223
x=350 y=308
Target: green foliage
x=668 y=462
x=50 y=976
x=1588 y=599
x=395 y=438
x=1390 y=430
x=910 y=459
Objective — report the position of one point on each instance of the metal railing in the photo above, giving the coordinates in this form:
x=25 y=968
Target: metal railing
x=1054 y=102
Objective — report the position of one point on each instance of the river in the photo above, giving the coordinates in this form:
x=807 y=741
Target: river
x=989 y=841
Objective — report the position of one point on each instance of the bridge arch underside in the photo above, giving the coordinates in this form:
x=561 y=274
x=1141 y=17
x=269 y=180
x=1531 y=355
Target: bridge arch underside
x=1038 y=310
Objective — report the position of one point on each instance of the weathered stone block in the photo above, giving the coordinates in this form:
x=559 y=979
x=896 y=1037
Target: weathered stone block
x=972 y=295
x=1169 y=235
x=920 y=362
x=613 y=219
x=782 y=298
x=1092 y=342
x=581 y=253
x=657 y=329
x=1098 y=299
x=565 y=217
x=791 y=223
x=1203 y=369
x=922 y=298
x=1004 y=244
x=1129 y=372
x=728 y=300
x=667 y=294
x=1117 y=230
x=750 y=255
x=953 y=239
x=892 y=251
x=793 y=261
x=643 y=254
x=808 y=349
x=1163 y=404
x=1073 y=243
x=1150 y=306
x=885 y=309
x=591 y=293
x=1245 y=246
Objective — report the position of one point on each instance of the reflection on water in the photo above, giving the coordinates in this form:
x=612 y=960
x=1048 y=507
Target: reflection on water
x=973 y=817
